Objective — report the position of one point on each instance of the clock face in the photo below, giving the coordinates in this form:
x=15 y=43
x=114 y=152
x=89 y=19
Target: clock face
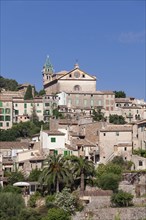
x=76 y=74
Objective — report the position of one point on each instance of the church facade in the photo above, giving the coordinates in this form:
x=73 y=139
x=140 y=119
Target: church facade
x=75 y=80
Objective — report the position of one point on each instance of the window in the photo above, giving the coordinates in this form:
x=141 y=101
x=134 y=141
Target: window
x=16 y=104
x=47 y=104
x=25 y=105
x=1 y=104
x=7 y=124
x=125 y=148
x=16 y=112
x=37 y=104
x=117 y=133
x=7 y=110
x=1 y=111
x=39 y=111
x=83 y=75
x=104 y=134
x=1 y=118
x=140 y=163
x=7 y=118
x=53 y=139
x=69 y=75
x=77 y=88
x=1 y=124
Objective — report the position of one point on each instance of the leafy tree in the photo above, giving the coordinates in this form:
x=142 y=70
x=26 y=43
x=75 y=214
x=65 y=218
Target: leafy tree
x=117 y=119
x=122 y=199
x=34 y=117
x=57 y=114
x=120 y=94
x=8 y=84
x=83 y=169
x=12 y=189
x=109 y=176
x=109 y=168
x=140 y=152
x=118 y=160
x=42 y=92
x=28 y=95
x=55 y=171
x=50 y=199
x=126 y=165
x=34 y=175
x=7 y=135
x=98 y=115
x=14 y=177
x=66 y=201
x=57 y=214
x=109 y=181
x=11 y=205
x=30 y=214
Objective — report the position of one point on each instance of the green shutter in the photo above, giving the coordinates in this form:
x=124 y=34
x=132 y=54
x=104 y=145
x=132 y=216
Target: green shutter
x=56 y=152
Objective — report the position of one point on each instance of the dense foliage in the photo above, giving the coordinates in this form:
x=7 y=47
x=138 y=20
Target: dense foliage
x=108 y=176
x=55 y=172
x=22 y=130
x=117 y=119
x=120 y=94
x=8 y=84
x=57 y=214
x=11 y=205
x=122 y=199
x=140 y=152
x=28 y=95
x=98 y=115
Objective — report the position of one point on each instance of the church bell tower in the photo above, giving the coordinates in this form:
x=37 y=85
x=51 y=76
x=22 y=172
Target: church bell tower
x=47 y=71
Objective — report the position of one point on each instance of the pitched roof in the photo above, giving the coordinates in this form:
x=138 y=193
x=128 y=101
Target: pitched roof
x=13 y=145
x=53 y=132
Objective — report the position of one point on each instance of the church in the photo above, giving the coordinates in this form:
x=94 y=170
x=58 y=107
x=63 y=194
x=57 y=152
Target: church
x=76 y=80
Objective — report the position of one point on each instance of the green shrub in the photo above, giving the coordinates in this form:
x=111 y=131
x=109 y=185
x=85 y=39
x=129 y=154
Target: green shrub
x=12 y=189
x=57 y=214
x=109 y=181
x=122 y=199
x=11 y=205
x=50 y=201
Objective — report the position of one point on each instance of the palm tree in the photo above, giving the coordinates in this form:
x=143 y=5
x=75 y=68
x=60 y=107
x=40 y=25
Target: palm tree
x=83 y=168
x=55 y=171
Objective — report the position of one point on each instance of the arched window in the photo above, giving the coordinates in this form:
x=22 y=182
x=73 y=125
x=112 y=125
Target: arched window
x=77 y=88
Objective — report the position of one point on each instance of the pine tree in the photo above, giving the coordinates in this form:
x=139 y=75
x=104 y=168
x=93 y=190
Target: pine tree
x=28 y=94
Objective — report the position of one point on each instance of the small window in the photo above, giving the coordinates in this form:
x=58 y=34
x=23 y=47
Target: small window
x=7 y=118
x=125 y=158
x=1 y=124
x=104 y=134
x=125 y=148
x=16 y=104
x=25 y=105
x=117 y=133
x=83 y=75
x=53 y=140
x=7 y=124
x=140 y=163
x=70 y=75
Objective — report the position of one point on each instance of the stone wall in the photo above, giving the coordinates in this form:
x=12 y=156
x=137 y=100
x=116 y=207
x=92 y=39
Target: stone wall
x=100 y=209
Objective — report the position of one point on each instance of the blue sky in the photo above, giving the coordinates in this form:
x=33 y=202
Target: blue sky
x=106 y=37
